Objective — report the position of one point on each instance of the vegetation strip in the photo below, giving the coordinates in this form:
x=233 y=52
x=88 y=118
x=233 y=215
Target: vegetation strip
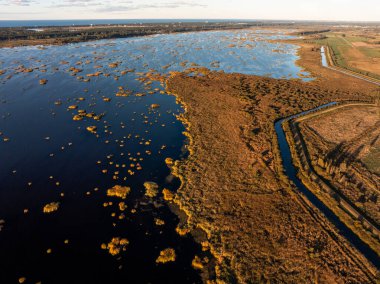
x=292 y=174
x=355 y=218
x=332 y=66
x=235 y=177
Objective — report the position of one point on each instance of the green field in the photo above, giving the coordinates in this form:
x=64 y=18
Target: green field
x=340 y=45
x=370 y=52
x=372 y=160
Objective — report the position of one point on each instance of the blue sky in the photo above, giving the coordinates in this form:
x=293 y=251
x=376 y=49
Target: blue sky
x=346 y=10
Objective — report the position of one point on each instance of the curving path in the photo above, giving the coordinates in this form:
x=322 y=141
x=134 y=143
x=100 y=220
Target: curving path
x=291 y=172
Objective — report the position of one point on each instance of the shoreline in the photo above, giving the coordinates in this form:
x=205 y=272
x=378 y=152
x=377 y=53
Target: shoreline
x=312 y=184
x=63 y=35
x=226 y=265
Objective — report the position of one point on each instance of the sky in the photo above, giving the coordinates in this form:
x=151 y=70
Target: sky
x=326 y=10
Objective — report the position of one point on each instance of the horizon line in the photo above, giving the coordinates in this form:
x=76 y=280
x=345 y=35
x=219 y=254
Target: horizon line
x=200 y=19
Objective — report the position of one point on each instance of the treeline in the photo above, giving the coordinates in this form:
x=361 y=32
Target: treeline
x=313 y=32
x=103 y=32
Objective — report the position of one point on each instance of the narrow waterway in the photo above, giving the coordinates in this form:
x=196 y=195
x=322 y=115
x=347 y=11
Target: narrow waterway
x=349 y=73
x=323 y=54
x=291 y=172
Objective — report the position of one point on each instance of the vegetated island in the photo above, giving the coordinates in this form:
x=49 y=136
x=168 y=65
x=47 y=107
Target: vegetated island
x=233 y=187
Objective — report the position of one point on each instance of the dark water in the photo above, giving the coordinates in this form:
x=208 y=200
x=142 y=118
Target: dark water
x=291 y=172
x=52 y=158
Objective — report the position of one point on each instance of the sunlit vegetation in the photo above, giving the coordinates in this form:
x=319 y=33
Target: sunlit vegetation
x=113 y=65
x=205 y=245
x=223 y=213
x=119 y=191
x=182 y=231
x=151 y=188
x=77 y=117
x=335 y=152
x=91 y=129
x=159 y=222
x=166 y=255
x=197 y=263
x=51 y=207
x=169 y=161
x=240 y=176
x=360 y=54
x=153 y=106
x=168 y=195
x=122 y=206
x=71 y=107
x=116 y=245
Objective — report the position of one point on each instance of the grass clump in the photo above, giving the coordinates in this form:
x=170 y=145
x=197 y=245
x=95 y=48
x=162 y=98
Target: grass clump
x=159 y=222
x=151 y=188
x=91 y=129
x=116 y=245
x=51 y=207
x=166 y=255
x=169 y=161
x=168 y=195
x=197 y=263
x=119 y=191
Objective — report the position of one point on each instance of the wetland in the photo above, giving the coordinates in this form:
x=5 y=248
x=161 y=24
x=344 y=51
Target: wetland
x=89 y=134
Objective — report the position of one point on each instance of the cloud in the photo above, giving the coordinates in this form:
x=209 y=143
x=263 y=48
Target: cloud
x=76 y=4
x=20 y=13
x=18 y=2
x=78 y=1
x=169 y=5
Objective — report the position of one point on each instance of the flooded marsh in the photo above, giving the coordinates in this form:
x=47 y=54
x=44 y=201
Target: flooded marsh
x=87 y=138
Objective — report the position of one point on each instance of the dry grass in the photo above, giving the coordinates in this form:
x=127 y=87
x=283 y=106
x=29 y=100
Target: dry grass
x=342 y=145
x=256 y=228
x=345 y=124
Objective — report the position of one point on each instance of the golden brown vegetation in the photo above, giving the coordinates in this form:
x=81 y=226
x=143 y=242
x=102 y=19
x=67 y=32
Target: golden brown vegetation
x=168 y=195
x=338 y=142
x=169 y=161
x=197 y=263
x=166 y=255
x=92 y=129
x=151 y=188
x=116 y=245
x=51 y=207
x=153 y=106
x=43 y=81
x=119 y=191
x=256 y=227
x=159 y=222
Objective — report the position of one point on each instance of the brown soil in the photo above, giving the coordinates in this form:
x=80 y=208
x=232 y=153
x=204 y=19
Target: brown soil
x=257 y=227
x=357 y=59
x=339 y=143
x=345 y=124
